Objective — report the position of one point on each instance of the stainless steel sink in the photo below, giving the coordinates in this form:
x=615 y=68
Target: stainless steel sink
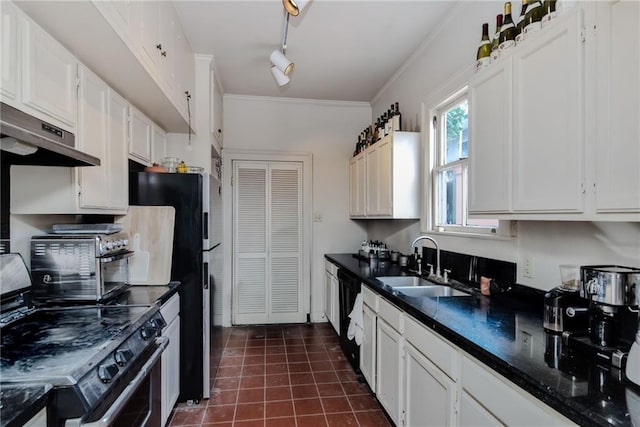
x=404 y=281
x=432 y=291
x=413 y=286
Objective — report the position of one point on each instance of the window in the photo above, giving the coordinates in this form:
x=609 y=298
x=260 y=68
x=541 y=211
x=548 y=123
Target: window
x=449 y=176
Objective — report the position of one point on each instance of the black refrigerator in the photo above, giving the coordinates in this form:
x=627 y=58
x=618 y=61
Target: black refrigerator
x=194 y=242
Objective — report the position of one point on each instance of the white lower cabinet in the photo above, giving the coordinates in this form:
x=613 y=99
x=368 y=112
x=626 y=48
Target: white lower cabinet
x=171 y=357
x=388 y=372
x=429 y=394
x=331 y=296
x=368 y=346
x=502 y=402
x=473 y=413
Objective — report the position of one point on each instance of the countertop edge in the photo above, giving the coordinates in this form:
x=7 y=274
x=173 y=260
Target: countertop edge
x=26 y=412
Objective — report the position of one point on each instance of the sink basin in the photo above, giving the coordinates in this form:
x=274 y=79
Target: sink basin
x=431 y=291
x=404 y=281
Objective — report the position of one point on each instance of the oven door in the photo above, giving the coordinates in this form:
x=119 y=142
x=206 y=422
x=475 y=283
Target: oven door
x=139 y=404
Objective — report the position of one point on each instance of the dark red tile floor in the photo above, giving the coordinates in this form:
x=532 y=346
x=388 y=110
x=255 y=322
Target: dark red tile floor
x=286 y=375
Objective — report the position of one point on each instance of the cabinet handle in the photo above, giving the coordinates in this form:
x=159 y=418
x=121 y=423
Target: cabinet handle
x=159 y=46
x=164 y=53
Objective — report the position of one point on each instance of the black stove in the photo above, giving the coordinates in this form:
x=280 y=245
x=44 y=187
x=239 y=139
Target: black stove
x=89 y=354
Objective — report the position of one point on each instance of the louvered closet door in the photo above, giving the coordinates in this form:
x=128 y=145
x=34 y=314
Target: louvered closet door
x=267 y=242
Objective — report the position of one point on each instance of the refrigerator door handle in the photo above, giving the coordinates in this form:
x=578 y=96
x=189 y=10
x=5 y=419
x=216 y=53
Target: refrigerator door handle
x=205 y=275
x=205 y=225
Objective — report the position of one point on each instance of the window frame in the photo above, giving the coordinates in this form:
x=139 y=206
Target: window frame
x=450 y=96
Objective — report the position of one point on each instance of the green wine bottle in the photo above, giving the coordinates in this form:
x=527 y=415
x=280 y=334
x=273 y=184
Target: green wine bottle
x=548 y=12
x=483 y=57
x=533 y=17
x=495 y=42
x=520 y=22
x=507 y=38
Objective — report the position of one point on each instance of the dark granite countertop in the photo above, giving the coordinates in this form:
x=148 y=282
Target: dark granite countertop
x=505 y=332
x=21 y=402
x=149 y=294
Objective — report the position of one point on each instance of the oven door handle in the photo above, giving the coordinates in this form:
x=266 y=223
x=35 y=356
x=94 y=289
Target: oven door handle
x=119 y=404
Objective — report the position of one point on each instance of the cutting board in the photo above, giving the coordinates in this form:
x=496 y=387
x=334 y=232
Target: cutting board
x=154 y=225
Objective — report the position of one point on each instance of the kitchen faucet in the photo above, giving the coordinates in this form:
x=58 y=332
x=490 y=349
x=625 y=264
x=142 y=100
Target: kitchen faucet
x=417 y=239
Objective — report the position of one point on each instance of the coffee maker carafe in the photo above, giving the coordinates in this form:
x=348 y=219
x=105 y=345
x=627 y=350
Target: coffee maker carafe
x=564 y=308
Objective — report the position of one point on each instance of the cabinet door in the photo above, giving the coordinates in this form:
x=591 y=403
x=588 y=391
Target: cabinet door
x=618 y=59
x=216 y=107
x=548 y=118
x=158 y=145
x=171 y=369
x=388 y=354
x=167 y=38
x=490 y=139
x=49 y=75
x=140 y=133
x=92 y=139
x=429 y=394
x=335 y=304
x=328 y=294
x=472 y=414
x=385 y=178
x=150 y=33
x=368 y=346
x=357 y=185
x=372 y=177
x=118 y=172
x=9 y=52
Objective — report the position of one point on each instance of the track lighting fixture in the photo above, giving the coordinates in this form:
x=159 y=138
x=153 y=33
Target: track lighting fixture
x=281 y=78
x=281 y=62
x=294 y=7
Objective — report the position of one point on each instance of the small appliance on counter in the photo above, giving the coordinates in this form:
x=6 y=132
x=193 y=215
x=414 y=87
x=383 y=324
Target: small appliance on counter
x=79 y=267
x=597 y=317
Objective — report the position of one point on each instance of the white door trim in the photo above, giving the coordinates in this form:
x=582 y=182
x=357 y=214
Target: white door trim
x=228 y=157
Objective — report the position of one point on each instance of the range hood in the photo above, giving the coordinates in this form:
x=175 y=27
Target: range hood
x=27 y=140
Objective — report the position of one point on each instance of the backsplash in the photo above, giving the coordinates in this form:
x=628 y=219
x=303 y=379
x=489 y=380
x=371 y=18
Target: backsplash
x=468 y=268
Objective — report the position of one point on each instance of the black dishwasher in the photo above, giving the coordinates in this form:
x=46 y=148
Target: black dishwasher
x=349 y=290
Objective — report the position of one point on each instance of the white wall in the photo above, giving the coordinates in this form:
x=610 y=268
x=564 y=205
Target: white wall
x=328 y=131
x=450 y=49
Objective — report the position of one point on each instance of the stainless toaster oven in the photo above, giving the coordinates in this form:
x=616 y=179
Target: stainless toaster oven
x=73 y=267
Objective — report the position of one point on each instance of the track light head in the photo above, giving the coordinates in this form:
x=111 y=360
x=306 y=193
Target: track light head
x=294 y=7
x=281 y=78
x=282 y=63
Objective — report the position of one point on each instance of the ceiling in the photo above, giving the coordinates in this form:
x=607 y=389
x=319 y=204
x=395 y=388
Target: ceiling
x=342 y=50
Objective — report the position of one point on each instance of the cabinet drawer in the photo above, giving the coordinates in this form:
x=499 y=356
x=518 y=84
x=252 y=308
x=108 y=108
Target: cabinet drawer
x=370 y=298
x=492 y=392
x=331 y=267
x=437 y=350
x=390 y=313
x=171 y=309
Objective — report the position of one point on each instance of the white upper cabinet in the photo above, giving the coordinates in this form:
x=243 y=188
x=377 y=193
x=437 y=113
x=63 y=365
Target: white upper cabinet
x=617 y=185
x=158 y=145
x=9 y=61
x=140 y=129
x=118 y=175
x=387 y=182
x=548 y=119
x=490 y=97
x=93 y=138
x=216 y=109
x=39 y=76
x=554 y=124
x=137 y=47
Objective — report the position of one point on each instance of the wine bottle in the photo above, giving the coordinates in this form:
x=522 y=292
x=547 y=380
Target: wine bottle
x=520 y=23
x=483 y=57
x=533 y=17
x=548 y=12
x=397 y=118
x=495 y=42
x=507 y=31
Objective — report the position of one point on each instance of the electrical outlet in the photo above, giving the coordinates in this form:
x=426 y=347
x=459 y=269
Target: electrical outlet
x=527 y=267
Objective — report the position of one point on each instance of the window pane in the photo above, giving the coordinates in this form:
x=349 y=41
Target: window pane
x=450 y=208
x=456 y=138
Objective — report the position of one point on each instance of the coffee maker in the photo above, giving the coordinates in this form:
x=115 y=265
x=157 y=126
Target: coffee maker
x=596 y=316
